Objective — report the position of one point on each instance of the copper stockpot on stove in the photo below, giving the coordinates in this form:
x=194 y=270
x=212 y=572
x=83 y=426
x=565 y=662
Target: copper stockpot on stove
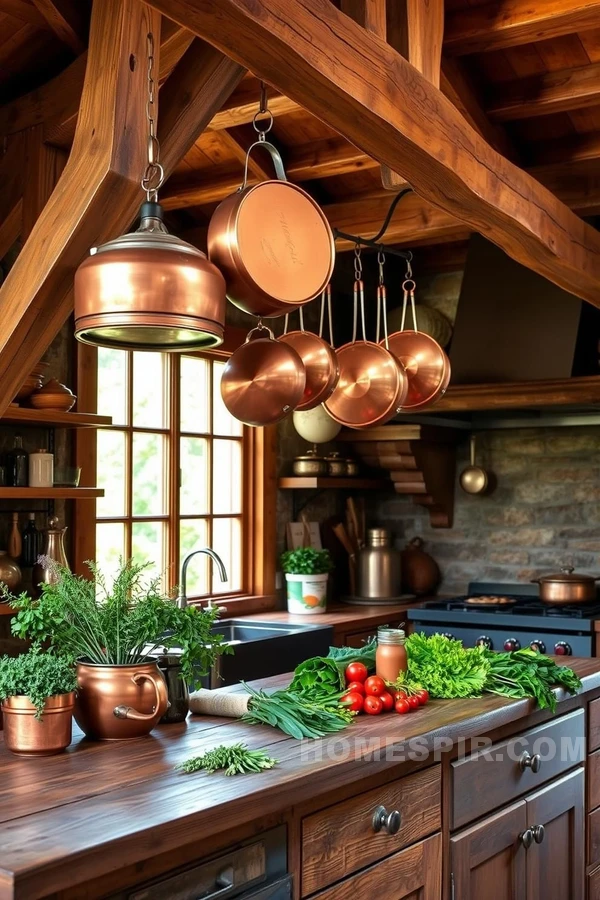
x=567 y=587
x=263 y=380
x=272 y=243
x=117 y=702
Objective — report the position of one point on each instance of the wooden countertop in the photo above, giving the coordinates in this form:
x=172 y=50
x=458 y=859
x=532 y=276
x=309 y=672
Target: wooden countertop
x=71 y=818
x=346 y=619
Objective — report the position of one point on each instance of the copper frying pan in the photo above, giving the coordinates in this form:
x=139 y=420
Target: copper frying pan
x=272 y=243
x=372 y=386
x=320 y=361
x=263 y=380
x=426 y=364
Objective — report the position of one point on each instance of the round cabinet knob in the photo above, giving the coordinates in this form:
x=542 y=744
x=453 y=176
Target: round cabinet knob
x=538 y=832
x=484 y=641
x=526 y=838
x=511 y=644
x=527 y=761
x=538 y=645
x=386 y=821
x=563 y=649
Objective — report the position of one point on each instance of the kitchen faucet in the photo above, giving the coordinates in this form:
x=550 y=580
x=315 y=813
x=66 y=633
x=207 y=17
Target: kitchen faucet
x=182 y=598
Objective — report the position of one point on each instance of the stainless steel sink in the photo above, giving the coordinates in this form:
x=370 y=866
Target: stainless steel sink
x=262 y=649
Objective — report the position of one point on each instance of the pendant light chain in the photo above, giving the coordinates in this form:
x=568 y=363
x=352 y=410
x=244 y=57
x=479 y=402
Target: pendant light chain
x=154 y=174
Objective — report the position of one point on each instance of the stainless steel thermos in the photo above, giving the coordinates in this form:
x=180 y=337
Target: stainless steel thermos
x=378 y=566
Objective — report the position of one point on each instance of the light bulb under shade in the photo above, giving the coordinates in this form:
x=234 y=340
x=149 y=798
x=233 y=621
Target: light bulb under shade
x=149 y=290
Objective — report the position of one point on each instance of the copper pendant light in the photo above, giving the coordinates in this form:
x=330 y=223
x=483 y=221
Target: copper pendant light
x=149 y=290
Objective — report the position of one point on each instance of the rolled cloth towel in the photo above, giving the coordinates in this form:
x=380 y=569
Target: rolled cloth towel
x=212 y=703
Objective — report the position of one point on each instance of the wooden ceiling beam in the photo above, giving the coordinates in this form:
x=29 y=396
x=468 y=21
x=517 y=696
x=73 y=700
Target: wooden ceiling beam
x=242 y=106
x=565 y=151
x=10 y=228
x=238 y=139
x=508 y=23
x=68 y=20
x=99 y=191
x=23 y=12
x=542 y=95
x=377 y=100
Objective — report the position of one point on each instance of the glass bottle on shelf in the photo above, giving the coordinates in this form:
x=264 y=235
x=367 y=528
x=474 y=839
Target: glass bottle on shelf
x=32 y=542
x=17 y=464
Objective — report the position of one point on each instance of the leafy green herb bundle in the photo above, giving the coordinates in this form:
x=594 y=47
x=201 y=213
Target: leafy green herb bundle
x=323 y=676
x=295 y=714
x=528 y=673
x=234 y=760
x=306 y=561
x=37 y=676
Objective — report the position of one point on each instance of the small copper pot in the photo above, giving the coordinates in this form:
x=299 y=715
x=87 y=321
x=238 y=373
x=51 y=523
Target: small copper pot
x=117 y=702
x=272 y=242
x=27 y=736
x=263 y=380
x=566 y=587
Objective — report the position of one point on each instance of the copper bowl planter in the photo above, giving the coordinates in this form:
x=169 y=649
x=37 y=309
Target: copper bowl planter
x=119 y=702
x=25 y=735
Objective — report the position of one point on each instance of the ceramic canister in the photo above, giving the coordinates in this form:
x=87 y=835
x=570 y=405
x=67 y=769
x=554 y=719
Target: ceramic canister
x=41 y=469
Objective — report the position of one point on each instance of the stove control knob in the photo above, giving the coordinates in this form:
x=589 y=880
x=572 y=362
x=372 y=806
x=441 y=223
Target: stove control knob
x=563 y=649
x=511 y=644
x=484 y=641
x=538 y=645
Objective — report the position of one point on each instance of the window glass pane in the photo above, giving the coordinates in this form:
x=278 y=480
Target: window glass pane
x=193 y=534
x=223 y=421
x=195 y=399
x=147 y=545
x=227 y=542
x=111 y=473
x=149 y=475
x=227 y=477
x=194 y=497
x=110 y=548
x=149 y=390
x=112 y=384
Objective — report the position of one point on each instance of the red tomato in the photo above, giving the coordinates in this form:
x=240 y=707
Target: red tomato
x=356 y=686
x=387 y=701
x=374 y=686
x=402 y=707
x=400 y=695
x=423 y=696
x=414 y=702
x=356 y=671
x=353 y=700
x=372 y=705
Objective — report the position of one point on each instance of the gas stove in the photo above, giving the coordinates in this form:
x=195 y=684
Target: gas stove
x=508 y=617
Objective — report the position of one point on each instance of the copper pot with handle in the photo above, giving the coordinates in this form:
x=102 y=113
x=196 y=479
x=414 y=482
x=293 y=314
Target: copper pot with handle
x=567 y=587
x=263 y=380
x=272 y=243
x=121 y=701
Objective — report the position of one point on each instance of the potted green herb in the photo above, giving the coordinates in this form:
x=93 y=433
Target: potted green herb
x=306 y=573
x=112 y=633
x=37 y=699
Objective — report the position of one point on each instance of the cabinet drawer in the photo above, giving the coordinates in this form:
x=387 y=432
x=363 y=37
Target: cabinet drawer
x=594 y=726
x=594 y=885
x=593 y=838
x=341 y=839
x=492 y=777
x=593 y=780
x=408 y=875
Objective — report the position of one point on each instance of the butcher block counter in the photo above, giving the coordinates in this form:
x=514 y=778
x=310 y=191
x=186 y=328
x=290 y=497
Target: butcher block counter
x=104 y=819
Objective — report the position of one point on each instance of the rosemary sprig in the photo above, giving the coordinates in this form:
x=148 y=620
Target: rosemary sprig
x=234 y=760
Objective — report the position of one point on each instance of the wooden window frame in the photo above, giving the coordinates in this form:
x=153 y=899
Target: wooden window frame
x=260 y=488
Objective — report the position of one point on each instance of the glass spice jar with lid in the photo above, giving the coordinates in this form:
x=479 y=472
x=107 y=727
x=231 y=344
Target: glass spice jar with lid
x=390 y=656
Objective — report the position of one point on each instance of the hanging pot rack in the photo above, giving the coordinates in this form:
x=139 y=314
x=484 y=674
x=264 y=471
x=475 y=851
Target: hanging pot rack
x=374 y=243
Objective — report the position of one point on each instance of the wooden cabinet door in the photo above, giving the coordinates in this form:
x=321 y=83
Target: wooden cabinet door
x=488 y=859
x=555 y=867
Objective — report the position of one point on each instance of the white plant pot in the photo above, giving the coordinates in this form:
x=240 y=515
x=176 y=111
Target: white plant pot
x=307 y=594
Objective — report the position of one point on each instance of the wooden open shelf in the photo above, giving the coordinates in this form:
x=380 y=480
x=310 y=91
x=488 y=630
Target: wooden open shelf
x=323 y=482
x=570 y=392
x=50 y=493
x=6 y=610
x=51 y=418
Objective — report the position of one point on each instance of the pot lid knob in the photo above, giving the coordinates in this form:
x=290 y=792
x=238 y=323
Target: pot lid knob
x=567 y=570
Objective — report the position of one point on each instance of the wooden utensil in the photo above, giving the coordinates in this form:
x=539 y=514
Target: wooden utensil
x=306 y=542
x=351 y=507
x=342 y=535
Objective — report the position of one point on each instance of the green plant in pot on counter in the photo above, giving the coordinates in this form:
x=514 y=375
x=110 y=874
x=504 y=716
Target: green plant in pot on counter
x=306 y=573
x=112 y=632
x=37 y=699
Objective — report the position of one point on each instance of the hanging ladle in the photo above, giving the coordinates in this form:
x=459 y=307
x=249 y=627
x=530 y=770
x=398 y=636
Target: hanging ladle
x=474 y=479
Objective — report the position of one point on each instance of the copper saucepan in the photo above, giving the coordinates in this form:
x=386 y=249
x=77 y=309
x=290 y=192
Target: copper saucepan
x=272 y=243
x=426 y=364
x=320 y=361
x=567 y=587
x=372 y=385
x=263 y=379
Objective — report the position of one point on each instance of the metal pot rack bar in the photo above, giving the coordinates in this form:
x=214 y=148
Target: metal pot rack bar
x=374 y=243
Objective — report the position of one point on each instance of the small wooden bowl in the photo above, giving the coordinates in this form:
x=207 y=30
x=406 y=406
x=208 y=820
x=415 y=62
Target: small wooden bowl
x=53 y=395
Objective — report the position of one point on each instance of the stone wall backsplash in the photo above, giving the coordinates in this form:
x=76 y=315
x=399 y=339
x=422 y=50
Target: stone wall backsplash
x=544 y=512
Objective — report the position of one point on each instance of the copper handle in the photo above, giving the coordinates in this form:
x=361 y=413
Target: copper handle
x=160 y=707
